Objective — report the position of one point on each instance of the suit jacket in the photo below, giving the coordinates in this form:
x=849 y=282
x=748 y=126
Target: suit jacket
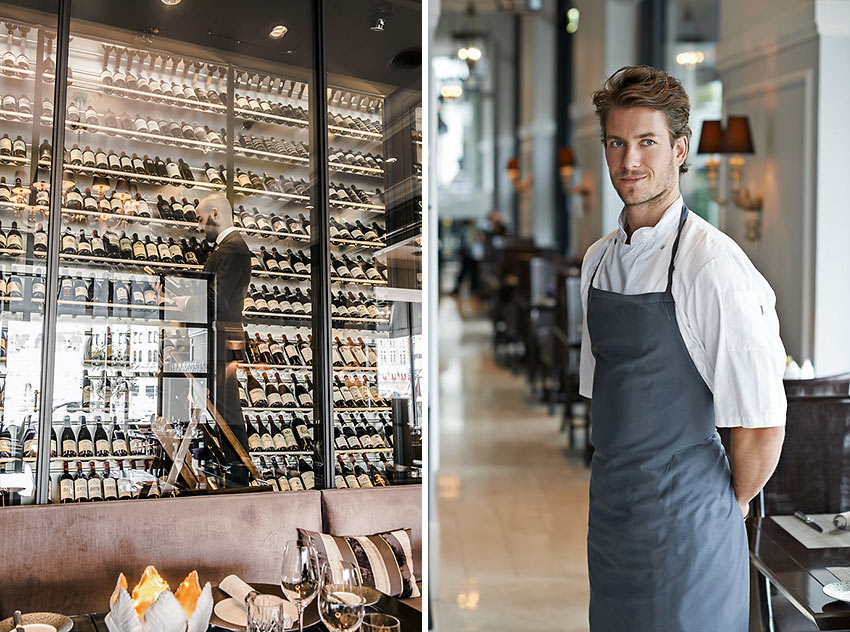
x=229 y=265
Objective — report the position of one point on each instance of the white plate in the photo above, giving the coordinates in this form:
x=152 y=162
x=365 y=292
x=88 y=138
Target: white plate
x=838 y=590
x=236 y=612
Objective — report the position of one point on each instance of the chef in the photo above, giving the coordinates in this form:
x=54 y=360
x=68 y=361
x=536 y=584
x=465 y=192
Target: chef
x=680 y=337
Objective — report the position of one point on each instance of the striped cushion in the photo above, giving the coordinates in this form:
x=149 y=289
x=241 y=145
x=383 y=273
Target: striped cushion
x=384 y=558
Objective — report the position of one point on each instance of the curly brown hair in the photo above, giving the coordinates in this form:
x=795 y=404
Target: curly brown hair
x=645 y=86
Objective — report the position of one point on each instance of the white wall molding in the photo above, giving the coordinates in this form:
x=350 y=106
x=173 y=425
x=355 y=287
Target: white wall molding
x=768 y=38
x=775 y=84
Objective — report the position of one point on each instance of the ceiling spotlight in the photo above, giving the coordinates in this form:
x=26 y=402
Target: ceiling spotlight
x=473 y=53
x=377 y=25
x=463 y=54
x=278 y=31
x=170 y=3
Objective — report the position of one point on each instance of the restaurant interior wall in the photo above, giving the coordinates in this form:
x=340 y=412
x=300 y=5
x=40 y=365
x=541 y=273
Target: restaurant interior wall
x=606 y=40
x=784 y=65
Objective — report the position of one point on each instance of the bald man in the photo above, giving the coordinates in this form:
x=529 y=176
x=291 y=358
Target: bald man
x=229 y=267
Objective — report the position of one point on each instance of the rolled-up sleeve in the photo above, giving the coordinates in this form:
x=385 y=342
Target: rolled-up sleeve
x=731 y=311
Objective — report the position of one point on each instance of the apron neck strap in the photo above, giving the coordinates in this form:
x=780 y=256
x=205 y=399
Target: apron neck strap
x=682 y=219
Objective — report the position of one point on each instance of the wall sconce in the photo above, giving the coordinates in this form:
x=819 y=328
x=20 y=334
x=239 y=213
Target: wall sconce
x=736 y=140
x=566 y=164
x=520 y=184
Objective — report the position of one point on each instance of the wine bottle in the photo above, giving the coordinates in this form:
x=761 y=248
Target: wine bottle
x=348 y=473
x=86 y=398
x=119 y=440
x=125 y=486
x=287 y=399
x=256 y=393
x=110 y=484
x=272 y=394
x=66 y=485
x=293 y=356
x=95 y=484
x=69 y=441
x=139 y=249
x=254 y=441
x=85 y=445
x=101 y=440
x=275 y=350
x=263 y=350
x=307 y=474
x=81 y=485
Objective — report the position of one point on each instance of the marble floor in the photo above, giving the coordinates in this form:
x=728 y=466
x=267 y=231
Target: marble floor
x=511 y=508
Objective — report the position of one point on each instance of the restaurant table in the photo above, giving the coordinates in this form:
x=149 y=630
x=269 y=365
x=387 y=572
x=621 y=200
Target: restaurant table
x=410 y=618
x=797 y=573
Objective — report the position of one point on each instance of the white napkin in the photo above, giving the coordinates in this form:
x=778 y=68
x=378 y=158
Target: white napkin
x=236 y=588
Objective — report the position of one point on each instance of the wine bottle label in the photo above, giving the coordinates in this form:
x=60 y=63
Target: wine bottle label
x=342 y=270
x=97 y=244
x=110 y=487
x=303 y=432
x=244 y=180
x=307 y=354
x=305 y=400
x=283 y=482
x=339 y=482
x=138 y=250
x=267 y=442
x=119 y=446
x=341 y=443
x=274 y=349
x=69 y=446
x=254 y=442
x=150 y=296
x=274 y=399
x=102 y=445
x=354 y=443
x=352 y=481
x=364 y=481
x=212 y=175
x=151 y=250
x=81 y=488
x=286 y=307
x=255 y=263
x=300 y=268
x=86 y=445
x=173 y=170
x=279 y=442
x=138 y=297
x=248 y=305
x=377 y=441
x=373 y=311
x=272 y=264
x=175 y=251
x=14 y=241
x=69 y=242
x=84 y=248
x=121 y=294
x=347 y=356
x=292 y=354
x=263 y=347
x=309 y=479
x=289 y=438
x=296 y=484
x=125 y=488
x=66 y=490
x=5 y=446
x=257 y=395
x=366 y=442
x=164 y=252
x=373 y=274
x=76 y=154
x=137 y=446
x=95 y=491
x=287 y=399
x=30 y=447
x=339 y=400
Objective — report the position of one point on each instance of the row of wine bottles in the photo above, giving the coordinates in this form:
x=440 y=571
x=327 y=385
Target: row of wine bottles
x=99 y=486
x=273 y=300
x=352 y=474
x=298 y=262
x=132 y=248
x=81 y=444
x=299 y=353
x=348 y=392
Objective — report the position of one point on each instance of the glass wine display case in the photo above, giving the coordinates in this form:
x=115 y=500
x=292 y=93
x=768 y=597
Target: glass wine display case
x=214 y=284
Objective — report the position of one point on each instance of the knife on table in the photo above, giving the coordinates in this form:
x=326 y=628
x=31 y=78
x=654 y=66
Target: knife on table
x=814 y=525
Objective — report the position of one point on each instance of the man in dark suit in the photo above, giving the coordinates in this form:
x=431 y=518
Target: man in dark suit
x=229 y=271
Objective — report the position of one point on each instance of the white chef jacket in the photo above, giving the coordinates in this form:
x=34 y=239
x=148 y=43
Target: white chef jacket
x=725 y=310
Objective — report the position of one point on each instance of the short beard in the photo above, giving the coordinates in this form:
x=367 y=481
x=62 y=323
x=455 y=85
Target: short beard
x=666 y=185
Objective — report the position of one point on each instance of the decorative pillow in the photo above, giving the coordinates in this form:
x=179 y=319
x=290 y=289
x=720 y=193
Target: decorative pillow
x=385 y=559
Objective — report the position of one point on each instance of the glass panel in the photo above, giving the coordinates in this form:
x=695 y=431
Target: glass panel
x=27 y=68
x=174 y=119
x=375 y=226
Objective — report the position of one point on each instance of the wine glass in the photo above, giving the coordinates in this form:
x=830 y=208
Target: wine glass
x=299 y=575
x=341 y=602
x=378 y=622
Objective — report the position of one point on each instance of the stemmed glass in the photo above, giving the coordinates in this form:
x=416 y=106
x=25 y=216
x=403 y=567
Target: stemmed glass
x=341 y=603
x=299 y=576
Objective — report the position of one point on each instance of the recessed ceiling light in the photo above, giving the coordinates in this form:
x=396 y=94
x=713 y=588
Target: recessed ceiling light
x=278 y=31
x=170 y=3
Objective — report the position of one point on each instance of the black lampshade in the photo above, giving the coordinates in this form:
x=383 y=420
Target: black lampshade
x=738 y=139
x=122 y=189
x=711 y=138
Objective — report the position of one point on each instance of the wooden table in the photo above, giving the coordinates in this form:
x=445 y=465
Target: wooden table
x=798 y=573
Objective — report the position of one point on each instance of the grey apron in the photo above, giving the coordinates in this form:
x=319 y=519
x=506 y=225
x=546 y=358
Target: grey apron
x=667 y=547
